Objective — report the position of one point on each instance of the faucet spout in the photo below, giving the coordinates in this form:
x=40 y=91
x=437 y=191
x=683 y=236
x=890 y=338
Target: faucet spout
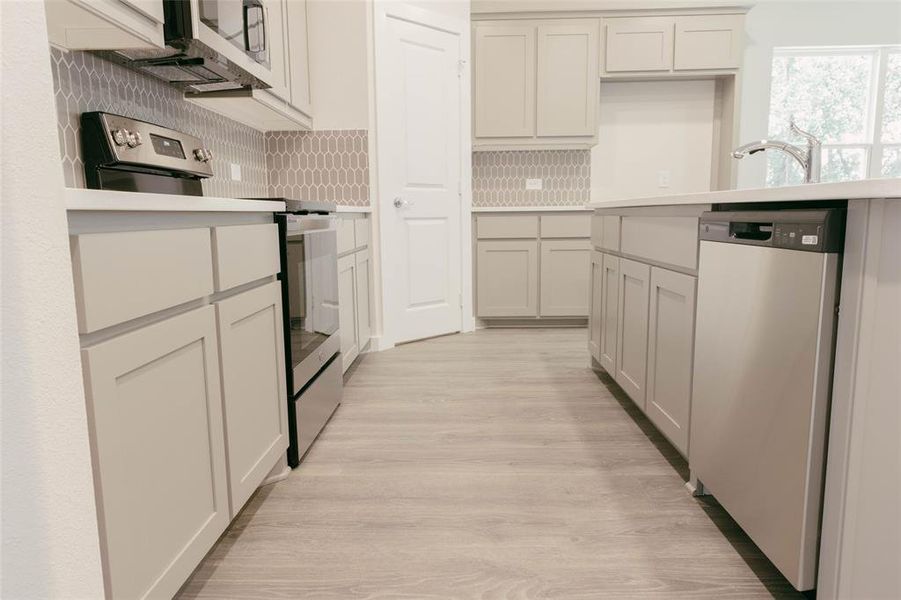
x=808 y=158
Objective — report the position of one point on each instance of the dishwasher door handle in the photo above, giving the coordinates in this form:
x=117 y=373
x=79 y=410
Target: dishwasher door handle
x=750 y=231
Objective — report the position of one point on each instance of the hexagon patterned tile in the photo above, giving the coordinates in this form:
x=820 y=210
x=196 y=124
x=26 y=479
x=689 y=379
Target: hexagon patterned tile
x=325 y=166
x=499 y=178
x=85 y=82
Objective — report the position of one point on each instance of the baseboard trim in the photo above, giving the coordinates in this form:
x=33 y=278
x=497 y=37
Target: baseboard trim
x=520 y=322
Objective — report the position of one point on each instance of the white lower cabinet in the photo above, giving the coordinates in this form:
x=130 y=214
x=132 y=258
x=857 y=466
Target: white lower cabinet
x=564 y=281
x=507 y=278
x=595 y=303
x=632 y=329
x=670 y=347
x=155 y=409
x=609 y=313
x=252 y=355
x=347 y=314
x=363 y=292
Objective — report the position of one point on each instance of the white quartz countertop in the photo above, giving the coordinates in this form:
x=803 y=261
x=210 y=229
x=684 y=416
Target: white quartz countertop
x=848 y=190
x=106 y=200
x=347 y=208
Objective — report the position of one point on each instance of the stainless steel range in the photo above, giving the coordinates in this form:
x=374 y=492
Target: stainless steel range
x=309 y=277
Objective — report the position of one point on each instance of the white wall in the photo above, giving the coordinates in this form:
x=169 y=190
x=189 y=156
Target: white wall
x=50 y=545
x=648 y=127
x=779 y=24
x=338 y=68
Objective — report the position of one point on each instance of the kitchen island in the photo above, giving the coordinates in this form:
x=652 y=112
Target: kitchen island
x=645 y=244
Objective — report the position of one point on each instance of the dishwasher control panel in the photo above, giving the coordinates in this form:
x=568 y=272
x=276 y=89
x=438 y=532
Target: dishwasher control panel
x=817 y=230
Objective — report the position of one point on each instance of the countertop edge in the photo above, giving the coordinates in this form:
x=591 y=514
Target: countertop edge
x=79 y=199
x=849 y=190
x=572 y=208
x=346 y=208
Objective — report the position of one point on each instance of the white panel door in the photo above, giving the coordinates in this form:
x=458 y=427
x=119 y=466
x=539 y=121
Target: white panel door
x=347 y=303
x=609 y=313
x=632 y=329
x=639 y=44
x=564 y=278
x=419 y=108
x=595 y=303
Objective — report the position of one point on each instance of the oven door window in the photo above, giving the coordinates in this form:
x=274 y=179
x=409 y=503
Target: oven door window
x=312 y=290
x=242 y=23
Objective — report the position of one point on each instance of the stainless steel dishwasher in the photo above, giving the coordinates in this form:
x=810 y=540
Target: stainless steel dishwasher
x=766 y=309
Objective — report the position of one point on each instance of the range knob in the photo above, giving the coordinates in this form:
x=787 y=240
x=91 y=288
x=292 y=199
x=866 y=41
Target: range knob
x=120 y=136
x=133 y=139
x=203 y=154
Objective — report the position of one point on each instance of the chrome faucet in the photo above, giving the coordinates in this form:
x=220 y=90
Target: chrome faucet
x=809 y=158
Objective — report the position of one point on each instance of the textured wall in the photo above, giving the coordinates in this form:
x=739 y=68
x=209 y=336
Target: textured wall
x=499 y=177
x=50 y=546
x=326 y=166
x=84 y=82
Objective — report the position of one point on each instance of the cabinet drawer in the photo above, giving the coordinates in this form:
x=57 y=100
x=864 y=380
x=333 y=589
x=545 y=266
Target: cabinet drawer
x=520 y=226
x=708 y=42
x=639 y=44
x=124 y=275
x=667 y=240
x=565 y=226
x=245 y=253
x=361 y=232
x=610 y=239
x=346 y=236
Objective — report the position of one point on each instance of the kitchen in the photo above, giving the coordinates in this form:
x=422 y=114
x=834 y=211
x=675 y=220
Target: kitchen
x=331 y=407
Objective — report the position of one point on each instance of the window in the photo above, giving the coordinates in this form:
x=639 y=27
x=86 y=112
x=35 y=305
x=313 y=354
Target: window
x=850 y=98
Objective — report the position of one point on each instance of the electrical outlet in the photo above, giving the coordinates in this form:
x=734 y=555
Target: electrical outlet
x=235 y=171
x=534 y=184
x=663 y=179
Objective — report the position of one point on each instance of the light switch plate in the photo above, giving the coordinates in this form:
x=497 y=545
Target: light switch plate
x=534 y=184
x=235 y=171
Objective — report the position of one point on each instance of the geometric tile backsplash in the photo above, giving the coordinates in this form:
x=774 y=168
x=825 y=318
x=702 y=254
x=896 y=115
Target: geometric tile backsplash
x=324 y=166
x=313 y=165
x=85 y=82
x=498 y=178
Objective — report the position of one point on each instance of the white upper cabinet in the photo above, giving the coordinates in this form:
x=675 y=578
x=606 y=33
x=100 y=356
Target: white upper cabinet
x=709 y=42
x=297 y=44
x=639 y=44
x=504 y=87
x=661 y=45
x=535 y=83
x=105 y=24
x=568 y=78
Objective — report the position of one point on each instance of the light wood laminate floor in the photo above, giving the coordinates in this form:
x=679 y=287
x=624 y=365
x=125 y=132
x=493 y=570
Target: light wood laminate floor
x=491 y=465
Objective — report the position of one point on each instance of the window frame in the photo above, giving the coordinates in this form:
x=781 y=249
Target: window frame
x=873 y=145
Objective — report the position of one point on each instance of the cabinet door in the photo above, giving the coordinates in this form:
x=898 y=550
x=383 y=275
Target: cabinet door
x=364 y=285
x=670 y=347
x=568 y=83
x=632 y=334
x=564 y=278
x=298 y=56
x=639 y=44
x=609 y=313
x=595 y=304
x=155 y=412
x=254 y=395
x=507 y=278
x=347 y=309
x=105 y=24
x=504 y=89
x=709 y=42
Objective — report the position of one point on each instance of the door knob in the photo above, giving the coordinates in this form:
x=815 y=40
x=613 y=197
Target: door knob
x=400 y=202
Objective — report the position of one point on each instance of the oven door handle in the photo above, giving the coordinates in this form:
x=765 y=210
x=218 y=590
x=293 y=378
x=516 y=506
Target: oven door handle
x=311 y=223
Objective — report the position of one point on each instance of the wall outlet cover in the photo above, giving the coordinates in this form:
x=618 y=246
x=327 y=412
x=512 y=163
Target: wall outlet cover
x=663 y=179
x=534 y=184
x=235 y=171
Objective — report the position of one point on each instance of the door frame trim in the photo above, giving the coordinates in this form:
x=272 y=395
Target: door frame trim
x=383 y=9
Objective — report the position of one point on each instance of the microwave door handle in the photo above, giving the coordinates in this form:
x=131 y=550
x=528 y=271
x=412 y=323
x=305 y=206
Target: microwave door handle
x=259 y=24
